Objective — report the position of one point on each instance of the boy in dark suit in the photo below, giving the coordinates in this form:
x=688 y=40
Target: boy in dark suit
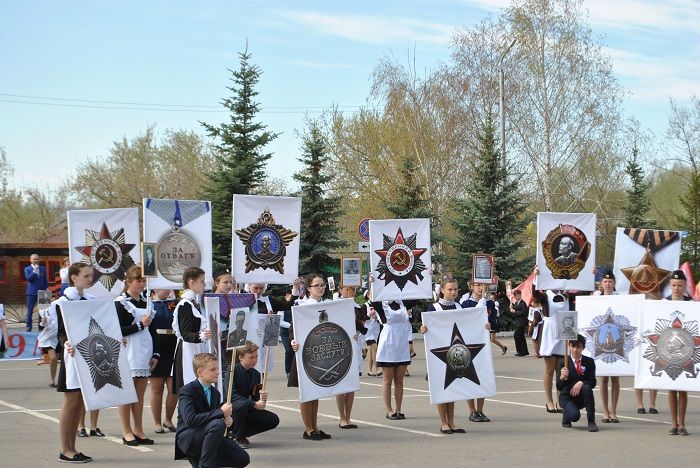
x=202 y=420
x=575 y=384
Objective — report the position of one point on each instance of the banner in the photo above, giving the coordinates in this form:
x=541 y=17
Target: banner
x=326 y=362
x=211 y=306
x=669 y=354
x=107 y=240
x=100 y=357
x=181 y=230
x=400 y=259
x=265 y=246
x=458 y=354
x=566 y=251
x=230 y=301
x=644 y=261
x=611 y=326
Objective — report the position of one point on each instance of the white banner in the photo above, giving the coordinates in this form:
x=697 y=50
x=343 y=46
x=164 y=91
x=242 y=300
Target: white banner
x=458 y=354
x=566 y=251
x=650 y=271
x=181 y=230
x=100 y=357
x=109 y=241
x=669 y=355
x=400 y=259
x=611 y=326
x=265 y=247
x=211 y=306
x=327 y=360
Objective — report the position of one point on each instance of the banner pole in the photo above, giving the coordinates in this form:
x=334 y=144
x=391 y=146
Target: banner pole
x=566 y=354
x=267 y=356
x=231 y=374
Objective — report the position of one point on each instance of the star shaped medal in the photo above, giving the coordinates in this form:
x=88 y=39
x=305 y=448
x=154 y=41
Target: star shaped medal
x=459 y=358
x=265 y=243
x=611 y=337
x=101 y=353
x=674 y=347
x=108 y=254
x=646 y=278
x=400 y=260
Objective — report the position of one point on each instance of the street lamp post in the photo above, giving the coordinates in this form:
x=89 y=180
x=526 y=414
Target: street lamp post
x=501 y=79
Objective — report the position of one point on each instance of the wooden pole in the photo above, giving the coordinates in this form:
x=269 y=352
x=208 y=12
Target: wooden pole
x=231 y=373
x=267 y=356
x=566 y=354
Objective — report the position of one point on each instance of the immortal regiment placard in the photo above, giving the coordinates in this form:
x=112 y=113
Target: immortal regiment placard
x=611 y=326
x=265 y=246
x=669 y=354
x=327 y=362
x=644 y=260
x=181 y=230
x=566 y=251
x=458 y=354
x=107 y=240
x=400 y=259
x=211 y=306
x=100 y=357
x=228 y=302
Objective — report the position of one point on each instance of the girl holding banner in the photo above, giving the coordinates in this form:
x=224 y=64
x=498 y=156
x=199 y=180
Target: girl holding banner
x=345 y=401
x=677 y=400
x=161 y=375
x=135 y=316
x=190 y=327
x=315 y=289
x=607 y=288
x=80 y=278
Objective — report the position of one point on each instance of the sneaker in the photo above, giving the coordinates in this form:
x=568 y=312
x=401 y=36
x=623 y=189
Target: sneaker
x=474 y=417
x=77 y=458
x=592 y=427
x=82 y=433
x=483 y=417
x=96 y=433
x=243 y=442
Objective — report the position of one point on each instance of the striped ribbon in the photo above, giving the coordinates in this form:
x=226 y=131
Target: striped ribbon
x=652 y=239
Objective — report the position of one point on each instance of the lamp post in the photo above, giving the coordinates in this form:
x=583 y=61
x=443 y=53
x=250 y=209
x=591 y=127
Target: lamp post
x=501 y=79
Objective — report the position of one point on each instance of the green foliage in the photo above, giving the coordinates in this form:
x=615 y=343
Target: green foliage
x=689 y=220
x=241 y=160
x=489 y=219
x=638 y=202
x=320 y=212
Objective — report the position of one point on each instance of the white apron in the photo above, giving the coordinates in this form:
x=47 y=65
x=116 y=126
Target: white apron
x=139 y=345
x=189 y=349
x=394 y=338
x=48 y=337
x=549 y=345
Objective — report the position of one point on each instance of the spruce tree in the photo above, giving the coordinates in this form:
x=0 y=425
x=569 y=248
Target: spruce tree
x=320 y=211
x=241 y=158
x=489 y=219
x=689 y=221
x=638 y=202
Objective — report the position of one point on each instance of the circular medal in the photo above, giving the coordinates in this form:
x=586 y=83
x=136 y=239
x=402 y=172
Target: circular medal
x=645 y=278
x=106 y=256
x=459 y=358
x=566 y=250
x=327 y=354
x=675 y=346
x=400 y=259
x=176 y=251
x=266 y=246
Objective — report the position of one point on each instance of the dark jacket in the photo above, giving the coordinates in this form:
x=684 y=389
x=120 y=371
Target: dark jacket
x=246 y=389
x=194 y=413
x=35 y=281
x=521 y=311
x=588 y=377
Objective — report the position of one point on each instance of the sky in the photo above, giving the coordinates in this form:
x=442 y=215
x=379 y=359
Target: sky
x=77 y=75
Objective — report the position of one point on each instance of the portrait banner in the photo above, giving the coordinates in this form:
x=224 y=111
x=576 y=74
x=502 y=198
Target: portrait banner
x=458 y=354
x=400 y=259
x=265 y=246
x=211 y=306
x=100 y=356
x=483 y=267
x=566 y=251
x=327 y=360
x=611 y=326
x=669 y=353
x=181 y=230
x=230 y=301
x=567 y=325
x=109 y=241
x=351 y=271
x=271 y=336
x=644 y=261
x=242 y=326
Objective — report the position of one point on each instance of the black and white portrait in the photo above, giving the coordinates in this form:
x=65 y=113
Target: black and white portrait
x=148 y=256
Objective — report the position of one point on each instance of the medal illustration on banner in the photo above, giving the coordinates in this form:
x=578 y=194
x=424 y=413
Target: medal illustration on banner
x=108 y=254
x=566 y=250
x=177 y=250
x=400 y=260
x=611 y=337
x=265 y=243
x=459 y=358
x=101 y=353
x=674 y=347
x=327 y=353
x=646 y=278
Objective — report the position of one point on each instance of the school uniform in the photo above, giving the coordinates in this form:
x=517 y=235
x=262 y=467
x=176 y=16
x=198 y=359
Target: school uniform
x=393 y=346
x=141 y=344
x=248 y=421
x=166 y=341
x=549 y=344
x=189 y=326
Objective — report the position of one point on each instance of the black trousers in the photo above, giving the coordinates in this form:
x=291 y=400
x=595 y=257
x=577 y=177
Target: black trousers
x=250 y=421
x=215 y=450
x=519 y=338
x=572 y=406
x=288 y=353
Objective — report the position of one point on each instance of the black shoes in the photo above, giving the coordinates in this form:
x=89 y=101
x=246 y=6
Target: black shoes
x=478 y=416
x=82 y=433
x=642 y=410
x=393 y=417
x=144 y=441
x=312 y=436
x=592 y=427
x=565 y=424
x=96 y=432
x=130 y=443
x=243 y=442
x=653 y=410
x=77 y=458
x=504 y=350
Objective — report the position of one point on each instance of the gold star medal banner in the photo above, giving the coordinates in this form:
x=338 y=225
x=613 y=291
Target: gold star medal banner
x=108 y=240
x=400 y=259
x=566 y=251
x=669 y=354
x=100 y=356
x=644 y=261
x=265 y=239
x=611 y=326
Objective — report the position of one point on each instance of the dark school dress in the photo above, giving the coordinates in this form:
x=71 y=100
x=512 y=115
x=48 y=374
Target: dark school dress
x=165 y=337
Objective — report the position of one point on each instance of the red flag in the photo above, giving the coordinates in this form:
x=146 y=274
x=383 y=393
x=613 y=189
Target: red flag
x=689 y=284
x=525 y=289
